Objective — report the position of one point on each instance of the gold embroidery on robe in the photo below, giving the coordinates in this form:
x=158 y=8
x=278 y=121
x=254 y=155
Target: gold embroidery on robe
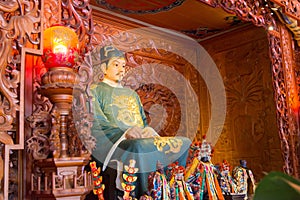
x=128 y=112
x=173 y=143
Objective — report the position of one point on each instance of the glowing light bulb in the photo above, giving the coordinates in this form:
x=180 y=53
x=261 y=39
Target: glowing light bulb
x=60 y=48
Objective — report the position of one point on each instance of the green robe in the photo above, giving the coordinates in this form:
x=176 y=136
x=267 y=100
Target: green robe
x=116 y=110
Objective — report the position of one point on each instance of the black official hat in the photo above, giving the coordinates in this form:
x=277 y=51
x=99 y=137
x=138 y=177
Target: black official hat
x=108 y=52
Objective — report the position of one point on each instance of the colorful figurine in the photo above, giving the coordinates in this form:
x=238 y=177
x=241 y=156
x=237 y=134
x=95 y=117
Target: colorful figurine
x=158 y=185
x=241 y=175
x=226 y=181
x=129 y=179
x=200 y=174
x=179 y=189
x=97 y=180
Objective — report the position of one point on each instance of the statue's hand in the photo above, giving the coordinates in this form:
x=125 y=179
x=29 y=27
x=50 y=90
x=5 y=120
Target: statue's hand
x=134 y=132
x=149 y=132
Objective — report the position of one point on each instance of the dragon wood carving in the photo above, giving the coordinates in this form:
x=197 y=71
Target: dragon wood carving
x=20 y=25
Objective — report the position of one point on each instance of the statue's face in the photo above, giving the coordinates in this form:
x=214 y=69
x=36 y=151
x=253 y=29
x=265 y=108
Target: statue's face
x=243 y=163
x=115 y=69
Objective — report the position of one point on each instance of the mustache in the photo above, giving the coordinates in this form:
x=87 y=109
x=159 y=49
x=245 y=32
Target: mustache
x=118 y=73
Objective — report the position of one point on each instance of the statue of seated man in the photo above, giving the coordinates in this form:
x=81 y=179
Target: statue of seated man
x=120 y=126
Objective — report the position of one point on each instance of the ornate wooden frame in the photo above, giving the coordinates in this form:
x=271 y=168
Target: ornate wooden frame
x=21 y=27
x=21 y=30
x=281 y=44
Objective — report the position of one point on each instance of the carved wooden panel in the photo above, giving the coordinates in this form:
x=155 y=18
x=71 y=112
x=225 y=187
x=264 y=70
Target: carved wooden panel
x=52 y=10
x=162 y=108
x=20 y=28
x=291 y=7
x=250 y=131
x=165 y=107
x=260 y=13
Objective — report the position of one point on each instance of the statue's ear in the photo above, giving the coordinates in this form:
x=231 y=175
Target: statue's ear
x=103 y=68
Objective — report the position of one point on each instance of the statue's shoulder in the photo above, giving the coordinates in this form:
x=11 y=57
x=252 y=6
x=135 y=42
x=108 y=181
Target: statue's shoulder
x=99 y=87
x=93 y=86
x=130 y=92
x=98 y=84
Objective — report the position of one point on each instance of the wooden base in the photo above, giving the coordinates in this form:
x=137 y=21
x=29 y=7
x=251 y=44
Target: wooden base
x=61 y=178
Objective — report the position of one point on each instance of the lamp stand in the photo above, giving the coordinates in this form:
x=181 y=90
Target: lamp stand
x=62 y=176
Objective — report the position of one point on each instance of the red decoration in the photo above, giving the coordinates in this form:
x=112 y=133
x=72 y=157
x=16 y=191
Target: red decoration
x=60 y=47
x=129 y=179
x=97 y=180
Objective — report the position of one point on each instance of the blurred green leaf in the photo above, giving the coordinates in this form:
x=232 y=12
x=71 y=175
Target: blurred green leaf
x=278 y=186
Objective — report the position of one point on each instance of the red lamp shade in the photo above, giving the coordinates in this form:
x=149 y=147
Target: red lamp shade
x=60 y=47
